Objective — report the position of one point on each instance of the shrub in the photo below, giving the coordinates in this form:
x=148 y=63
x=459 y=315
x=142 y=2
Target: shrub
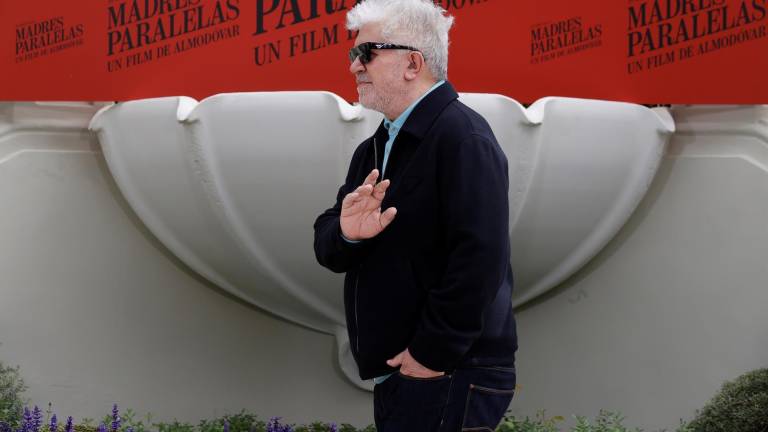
x=11 y=402
x=241 y=422
x=541 y=423
x=741 y=405
x=606 y=421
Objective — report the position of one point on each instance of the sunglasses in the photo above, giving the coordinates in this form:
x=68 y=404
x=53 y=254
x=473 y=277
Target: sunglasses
x=364 y=50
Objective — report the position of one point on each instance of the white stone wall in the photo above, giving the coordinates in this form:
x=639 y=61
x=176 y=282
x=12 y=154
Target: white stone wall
x=676 y=303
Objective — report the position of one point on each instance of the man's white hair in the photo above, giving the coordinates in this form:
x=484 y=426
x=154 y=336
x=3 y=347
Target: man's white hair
x=420 y=24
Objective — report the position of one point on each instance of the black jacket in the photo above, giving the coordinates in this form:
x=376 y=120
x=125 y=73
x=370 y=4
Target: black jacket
x=437 y=280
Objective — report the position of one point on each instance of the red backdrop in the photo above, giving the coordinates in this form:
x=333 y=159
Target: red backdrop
x=645 y=51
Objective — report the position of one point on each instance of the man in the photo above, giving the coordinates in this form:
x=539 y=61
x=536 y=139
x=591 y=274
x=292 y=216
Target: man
x=424 y=244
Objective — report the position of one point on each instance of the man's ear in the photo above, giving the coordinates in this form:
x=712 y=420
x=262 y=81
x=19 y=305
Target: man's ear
x=415 y=65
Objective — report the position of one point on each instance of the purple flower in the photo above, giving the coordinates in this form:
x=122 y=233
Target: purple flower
x=26 y=421
x=115 y=418
x=37 y=419
x=130 y=429
x=54 y=424
x=68 y=427
x=275 y=426
x=5 y=427
x=226 y=426
x=102 y=428
x=333 y=427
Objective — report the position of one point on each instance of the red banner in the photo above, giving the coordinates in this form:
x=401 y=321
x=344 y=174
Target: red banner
x=645 y=51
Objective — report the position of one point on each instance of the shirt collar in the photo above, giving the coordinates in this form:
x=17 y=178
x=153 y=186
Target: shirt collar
x=393 y=127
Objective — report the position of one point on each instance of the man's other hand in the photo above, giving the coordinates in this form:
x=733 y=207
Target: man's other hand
x=361 y=216
x=409 y=366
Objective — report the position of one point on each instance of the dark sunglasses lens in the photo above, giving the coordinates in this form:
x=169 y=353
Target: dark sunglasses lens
x=359 y=51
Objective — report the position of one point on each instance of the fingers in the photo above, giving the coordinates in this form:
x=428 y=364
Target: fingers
x=368 y=188
x=356 y=196
x=372 y=177
x=350 y=200
x=396 y=360
x=387 y=217
x=380 y=190
x=369 y=185
x=417 y=374
x=411 y=367
x=365 y=189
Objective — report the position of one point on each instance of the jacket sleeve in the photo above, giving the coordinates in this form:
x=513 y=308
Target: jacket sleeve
x=331 y=249
x=473 y=189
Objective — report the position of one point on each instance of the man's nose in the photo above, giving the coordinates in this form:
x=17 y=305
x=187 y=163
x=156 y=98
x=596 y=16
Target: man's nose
x=356 y=66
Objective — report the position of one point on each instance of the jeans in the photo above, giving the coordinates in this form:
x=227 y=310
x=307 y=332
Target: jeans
x=467 y=399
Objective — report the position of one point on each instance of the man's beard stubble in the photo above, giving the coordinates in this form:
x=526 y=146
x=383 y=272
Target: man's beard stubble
x=379 y=97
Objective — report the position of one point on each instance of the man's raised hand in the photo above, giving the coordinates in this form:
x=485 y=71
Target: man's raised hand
x=361 y=216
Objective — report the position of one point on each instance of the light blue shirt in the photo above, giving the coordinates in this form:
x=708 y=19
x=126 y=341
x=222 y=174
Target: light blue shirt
x=393 y=127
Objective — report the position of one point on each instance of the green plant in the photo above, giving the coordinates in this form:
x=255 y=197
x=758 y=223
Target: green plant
x=175 y=426
x=541 y=423
x=606 y=421
x=11 y=388
x=247 y=422
x=740 y=405
x=240 y=422
x=85 y=426
x=684 y=427
x=136 y=424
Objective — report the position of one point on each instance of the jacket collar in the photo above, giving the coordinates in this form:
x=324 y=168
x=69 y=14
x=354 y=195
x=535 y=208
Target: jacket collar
x=426 y=111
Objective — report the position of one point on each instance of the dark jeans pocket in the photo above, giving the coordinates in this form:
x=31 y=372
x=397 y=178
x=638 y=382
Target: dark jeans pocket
x=485 y=407
x=408 y=404
x=420 y=395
